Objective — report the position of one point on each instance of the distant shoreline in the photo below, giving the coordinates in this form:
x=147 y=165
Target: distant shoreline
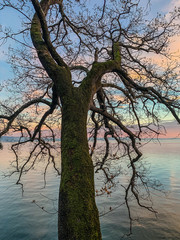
x=16 y=139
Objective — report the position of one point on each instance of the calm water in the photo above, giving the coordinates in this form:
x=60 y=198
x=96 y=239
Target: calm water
x=21 y=219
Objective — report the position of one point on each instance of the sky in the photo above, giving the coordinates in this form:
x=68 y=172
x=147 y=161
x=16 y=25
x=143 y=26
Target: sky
x=10 y=18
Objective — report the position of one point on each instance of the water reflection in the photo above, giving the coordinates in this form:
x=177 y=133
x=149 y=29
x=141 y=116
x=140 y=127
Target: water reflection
x=21 y=219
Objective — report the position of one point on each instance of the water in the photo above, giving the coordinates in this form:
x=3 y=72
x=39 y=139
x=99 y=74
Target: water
x=21 y=217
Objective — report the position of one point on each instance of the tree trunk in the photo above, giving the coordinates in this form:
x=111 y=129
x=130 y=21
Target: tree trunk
x=78 y=214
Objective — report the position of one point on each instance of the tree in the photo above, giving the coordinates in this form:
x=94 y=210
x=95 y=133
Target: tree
x=89 y=64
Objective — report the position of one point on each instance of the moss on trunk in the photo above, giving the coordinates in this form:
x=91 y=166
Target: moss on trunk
x=78 y=214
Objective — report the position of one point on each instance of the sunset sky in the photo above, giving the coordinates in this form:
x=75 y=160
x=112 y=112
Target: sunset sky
x=9 y=18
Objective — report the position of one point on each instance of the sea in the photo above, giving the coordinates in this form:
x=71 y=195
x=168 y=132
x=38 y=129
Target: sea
x=32 y=214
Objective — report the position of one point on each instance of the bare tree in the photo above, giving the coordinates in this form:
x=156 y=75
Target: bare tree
x=91 y=74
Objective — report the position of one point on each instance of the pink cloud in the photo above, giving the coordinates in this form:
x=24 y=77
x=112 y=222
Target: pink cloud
x=172 y=130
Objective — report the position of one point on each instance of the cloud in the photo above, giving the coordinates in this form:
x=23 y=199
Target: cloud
x=172 y=4
x=2 y=54
x=172 y=129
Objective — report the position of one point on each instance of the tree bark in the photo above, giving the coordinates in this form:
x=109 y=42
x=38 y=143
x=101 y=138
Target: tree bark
x=78 y=214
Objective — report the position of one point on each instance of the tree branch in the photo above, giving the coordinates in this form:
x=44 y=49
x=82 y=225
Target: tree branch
x=12 y=117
